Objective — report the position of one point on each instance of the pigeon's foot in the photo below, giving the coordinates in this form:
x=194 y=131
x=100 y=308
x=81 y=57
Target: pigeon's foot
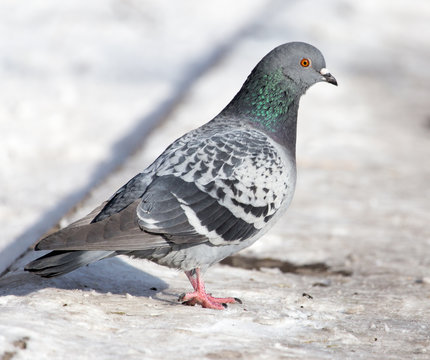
x=206 y=300
x=199 y=295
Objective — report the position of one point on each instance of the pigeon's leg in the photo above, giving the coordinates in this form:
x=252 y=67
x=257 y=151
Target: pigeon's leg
x=190 y=276
x=199 y=296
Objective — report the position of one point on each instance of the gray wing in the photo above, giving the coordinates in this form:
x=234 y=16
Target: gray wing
x=222 y=188
x=119 y=231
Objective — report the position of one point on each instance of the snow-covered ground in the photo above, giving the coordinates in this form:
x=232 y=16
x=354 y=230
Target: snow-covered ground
x=344 y=275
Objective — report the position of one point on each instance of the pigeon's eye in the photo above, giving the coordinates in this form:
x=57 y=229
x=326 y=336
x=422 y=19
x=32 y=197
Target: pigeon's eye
x=305 y=62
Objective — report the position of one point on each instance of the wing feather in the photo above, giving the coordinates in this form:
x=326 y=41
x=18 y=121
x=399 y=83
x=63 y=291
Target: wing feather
x=222 y=186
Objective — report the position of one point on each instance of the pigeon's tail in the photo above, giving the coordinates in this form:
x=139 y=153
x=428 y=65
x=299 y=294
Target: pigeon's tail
x=61 y=262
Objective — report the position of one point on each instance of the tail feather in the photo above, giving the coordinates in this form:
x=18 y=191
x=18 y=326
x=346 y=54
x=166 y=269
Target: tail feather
x=58 y=263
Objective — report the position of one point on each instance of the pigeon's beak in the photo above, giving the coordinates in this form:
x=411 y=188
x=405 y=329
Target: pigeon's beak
x=326 y=76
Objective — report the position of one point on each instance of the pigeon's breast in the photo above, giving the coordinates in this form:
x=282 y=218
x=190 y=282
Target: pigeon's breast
x=287 y=173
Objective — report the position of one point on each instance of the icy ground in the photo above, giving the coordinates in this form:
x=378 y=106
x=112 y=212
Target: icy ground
x=344 y=275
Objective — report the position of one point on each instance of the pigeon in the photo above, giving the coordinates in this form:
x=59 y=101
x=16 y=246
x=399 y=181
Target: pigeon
x=212 y=192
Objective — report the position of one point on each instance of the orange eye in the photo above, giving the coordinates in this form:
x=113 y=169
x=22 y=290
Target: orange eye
x=305 y=62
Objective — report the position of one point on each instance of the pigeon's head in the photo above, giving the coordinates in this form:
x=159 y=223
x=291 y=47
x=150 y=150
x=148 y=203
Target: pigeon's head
x=300 y=63
x=271 y=93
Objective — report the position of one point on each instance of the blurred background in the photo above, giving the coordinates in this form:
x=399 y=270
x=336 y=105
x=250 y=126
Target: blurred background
x=82 y=84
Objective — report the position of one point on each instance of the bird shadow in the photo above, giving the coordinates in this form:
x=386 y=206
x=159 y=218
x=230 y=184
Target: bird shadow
x=110 y=276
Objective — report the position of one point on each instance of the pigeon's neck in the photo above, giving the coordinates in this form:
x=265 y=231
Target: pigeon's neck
x=268 y=103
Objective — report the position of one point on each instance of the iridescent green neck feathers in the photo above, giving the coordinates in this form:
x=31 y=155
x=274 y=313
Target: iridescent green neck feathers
x=268 y=101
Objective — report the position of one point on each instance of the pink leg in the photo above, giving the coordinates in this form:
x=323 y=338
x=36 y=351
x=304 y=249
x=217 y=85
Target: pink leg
x=191 y=278
x=199 y=295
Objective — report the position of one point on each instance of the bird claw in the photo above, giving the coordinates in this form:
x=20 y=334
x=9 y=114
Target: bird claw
x=201 y=297
x=193 y=303
x=206 y=300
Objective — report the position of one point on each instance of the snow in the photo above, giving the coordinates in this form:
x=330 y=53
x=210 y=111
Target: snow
x=344 y=275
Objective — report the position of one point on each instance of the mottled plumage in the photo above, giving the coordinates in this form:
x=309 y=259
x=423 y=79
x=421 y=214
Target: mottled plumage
x=214 y=191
